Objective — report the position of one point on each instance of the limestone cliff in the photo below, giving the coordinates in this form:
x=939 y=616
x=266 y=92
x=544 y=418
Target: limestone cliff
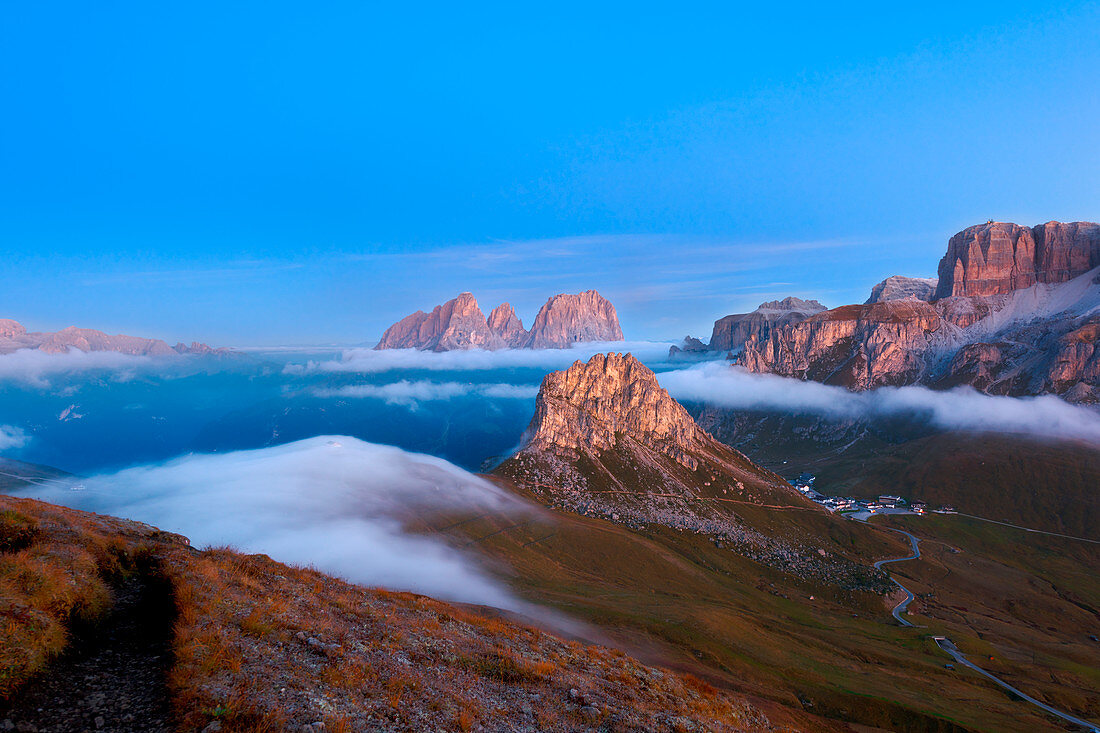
x=504 y=324
x=897 y=287
x=999 y=257
x=609 y=423
x=608 y=441
x=567 y=319
x=858 y=346
x=457 y=324
x=1016 y=314
x=731 y=332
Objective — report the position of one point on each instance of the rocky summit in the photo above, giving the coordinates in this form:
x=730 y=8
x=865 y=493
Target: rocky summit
x=567 y=319
x=564 y=320
x=731 y=333
x=608 y=441
x=1016 y=314
x=457 y=324
x=897 y=287
x=998 y=257
x=14 y=336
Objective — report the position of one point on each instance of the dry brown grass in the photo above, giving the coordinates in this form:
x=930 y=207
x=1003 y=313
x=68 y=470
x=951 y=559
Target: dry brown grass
x=261 y=646
x=55 y=571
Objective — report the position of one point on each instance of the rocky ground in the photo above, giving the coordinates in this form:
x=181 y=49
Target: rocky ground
x=112 y=678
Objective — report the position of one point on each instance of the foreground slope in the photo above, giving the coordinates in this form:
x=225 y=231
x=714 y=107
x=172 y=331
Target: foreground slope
x=258 y=645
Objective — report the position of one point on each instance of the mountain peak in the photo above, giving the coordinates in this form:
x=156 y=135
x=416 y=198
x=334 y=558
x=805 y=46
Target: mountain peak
x=504 y=323
x=457 y=324
x=612 y=397
x=569 y=318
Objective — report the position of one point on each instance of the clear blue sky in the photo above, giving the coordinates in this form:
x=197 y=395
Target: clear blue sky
x=271 y=172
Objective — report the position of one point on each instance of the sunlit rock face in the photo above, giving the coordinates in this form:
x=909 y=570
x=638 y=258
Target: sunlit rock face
x=564 y=320
x=1016 y=313
x=731 y=332
x=591 y=406
x=999 y=257
x=567 y=319
x=504 y=323
x=897 y=287
x=858 y=346
x=457 y=324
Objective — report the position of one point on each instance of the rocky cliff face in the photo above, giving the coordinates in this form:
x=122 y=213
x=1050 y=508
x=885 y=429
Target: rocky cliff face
x=897 y=287
x=858 y=346
x=567 y=319
x=731 y=333
x=594 y=406
x=13 y=336
x=1011 y=322
x=608 y=441
x=999 y=257
x=504 y=323
x=459 y=324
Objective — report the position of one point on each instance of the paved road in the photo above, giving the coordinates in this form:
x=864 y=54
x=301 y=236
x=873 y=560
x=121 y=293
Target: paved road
x=900 y=608
x=1029 y=529
x=948 y=646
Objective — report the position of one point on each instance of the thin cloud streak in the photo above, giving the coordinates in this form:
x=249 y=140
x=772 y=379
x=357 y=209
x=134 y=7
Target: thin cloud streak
x=369 y=361
x=412 y=393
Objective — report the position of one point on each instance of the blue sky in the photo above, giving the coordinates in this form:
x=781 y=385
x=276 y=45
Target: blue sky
x=308 y=173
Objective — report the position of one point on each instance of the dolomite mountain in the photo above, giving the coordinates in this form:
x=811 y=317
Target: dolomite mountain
x=731 y=333
x=564 y=320
x=997 y=257
x=14 y=336
x=607 y=440
x=897 y=287
x=1016 y=311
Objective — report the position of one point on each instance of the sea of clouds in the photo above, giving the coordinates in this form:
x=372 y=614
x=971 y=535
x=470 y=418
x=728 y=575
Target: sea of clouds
x=335 y=503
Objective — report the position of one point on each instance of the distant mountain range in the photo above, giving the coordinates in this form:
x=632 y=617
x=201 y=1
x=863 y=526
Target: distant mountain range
x=14 y=336
x=1015 y=311
x=564 y=320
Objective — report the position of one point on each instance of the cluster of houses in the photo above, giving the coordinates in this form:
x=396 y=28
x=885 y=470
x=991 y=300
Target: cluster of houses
x=805 y=483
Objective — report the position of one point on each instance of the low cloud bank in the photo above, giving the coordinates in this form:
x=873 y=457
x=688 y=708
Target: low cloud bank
x=12 y=437
x=412 y=393
x=369 y=361
x=34 y=367
x=962 y=408
x=333 y=502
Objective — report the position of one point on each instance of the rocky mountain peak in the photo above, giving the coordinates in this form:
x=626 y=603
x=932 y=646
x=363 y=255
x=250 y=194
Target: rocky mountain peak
x=568 y=318
x=504 y=323
x=791 y=304
x=897 y=287
x=11 y=329
x=611 y=398
x=998 y=257
x=457 y=324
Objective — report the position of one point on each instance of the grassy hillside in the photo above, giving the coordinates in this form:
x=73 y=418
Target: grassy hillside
x=677 y=598
x=260 y=646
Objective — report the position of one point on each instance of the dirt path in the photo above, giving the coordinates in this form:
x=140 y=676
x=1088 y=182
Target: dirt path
x=113 y=676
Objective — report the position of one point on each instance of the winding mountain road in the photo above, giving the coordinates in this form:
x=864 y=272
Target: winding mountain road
x=900 y=608
x=948 y=646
